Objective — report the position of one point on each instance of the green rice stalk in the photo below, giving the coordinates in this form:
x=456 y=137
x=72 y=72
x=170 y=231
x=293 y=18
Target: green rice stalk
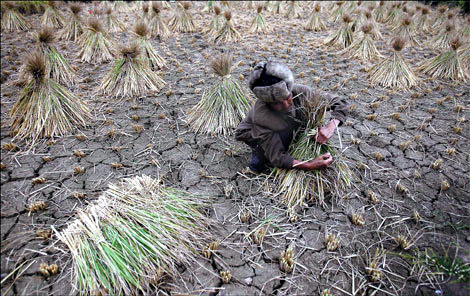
x=53 y=17
x=343 y=37
x=393 y=72
x=298 y=186
x=258 y=24
x=96 y=47
x=315 y=22
x=113 y=24
x=182 y=21
x=46 y=109
x=293 y=11
x=223 y=106
x=364 y=49
x=136 y=233
x=446 y=65
x=227 y=33
x=60 y=69
x=150 y=55
x=338 y=11
x=12 y=20
x=131 y=77
x=73 y=29
x=158 y=27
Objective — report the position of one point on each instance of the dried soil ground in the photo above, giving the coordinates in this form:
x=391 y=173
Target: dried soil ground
x=208 y=164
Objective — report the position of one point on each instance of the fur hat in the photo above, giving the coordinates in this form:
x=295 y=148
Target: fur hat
x=279 y=73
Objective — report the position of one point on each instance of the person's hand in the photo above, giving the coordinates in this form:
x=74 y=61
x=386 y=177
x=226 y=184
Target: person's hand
x=326 y=132
x=321 y=161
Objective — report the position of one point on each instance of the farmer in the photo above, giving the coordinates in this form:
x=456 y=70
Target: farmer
x=270 y=124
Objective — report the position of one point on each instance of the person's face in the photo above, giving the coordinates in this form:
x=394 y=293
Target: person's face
x=283 y=105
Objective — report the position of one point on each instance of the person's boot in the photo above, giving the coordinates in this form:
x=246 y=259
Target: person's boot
x=257 y=164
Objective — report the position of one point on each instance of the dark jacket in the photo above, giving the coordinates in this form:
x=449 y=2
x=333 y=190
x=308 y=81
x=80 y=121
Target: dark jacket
x=268 y=129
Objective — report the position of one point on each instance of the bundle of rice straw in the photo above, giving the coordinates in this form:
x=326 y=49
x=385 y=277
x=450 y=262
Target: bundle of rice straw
x=344 y=36
x=381 y=12
x=276 y=7
x=57 y=66
x=223 y=106
x=131 y=75
x=447 y=65
x=423 y=23
x=437 y=24
x=30 y=7
x=112 y=23
x=464 y=53
x=12 y=20
x=407 y=31
x=394 y=16
x=120 y=5
x=215 y=24
x=52 y=16
x=393 y=71
x=293 y=11
x=337 y=12
x=145 y=12
x=375 y=32
x=258 y=25
x=158 y=27
x=315 y=22
x=363 y=48
x=150 y=55
x=250 y=4
x=44 y=108
x=137 y=233
x=74 y=28
x=182 y=21
x=227 y=33
x=465 y=32
x=299 y=186
x=209 y=7
x=96 y=47
x=442 y=40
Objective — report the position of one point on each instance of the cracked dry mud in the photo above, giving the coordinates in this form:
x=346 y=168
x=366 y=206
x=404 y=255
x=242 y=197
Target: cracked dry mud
x=207 y=164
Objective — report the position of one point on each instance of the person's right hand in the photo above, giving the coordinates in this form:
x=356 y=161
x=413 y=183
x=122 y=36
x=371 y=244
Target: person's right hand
x=321 y=161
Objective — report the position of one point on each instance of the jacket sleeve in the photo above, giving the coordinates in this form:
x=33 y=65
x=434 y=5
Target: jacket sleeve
x=338 y=106
x=274 y=150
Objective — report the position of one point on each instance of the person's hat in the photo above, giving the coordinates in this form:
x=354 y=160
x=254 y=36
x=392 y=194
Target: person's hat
x=271 y=81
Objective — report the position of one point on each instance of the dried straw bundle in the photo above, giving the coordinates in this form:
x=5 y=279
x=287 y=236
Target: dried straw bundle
x=131 y=75
x=182 y=21
x=464 y=54
x=442 y=41
x=112 y=23
x=381 y=12
x=293 y=11
x=157 y=26
x=315 y=22
x=394 y=72
x=297 y=186
x=258 y=25
x=96 y=47
x=437 y=24
x=12 y=20
x=52 y=16
x=375 y=32
x=209 y=7
x=465 y=32
x=56 y=65
x=150 y=55
x=120 y=5
x=215 y=24
x=74 y=28
x=423 y=23
x=30 y=7
x=223 y=106
x=44 y=108
x=344 y=36
x=364 y=48
x=134 y=235
x=394 y=16
x=337 y=12
x=227 y=33
x=407 y=31
x=276 y=7
x=447 y=65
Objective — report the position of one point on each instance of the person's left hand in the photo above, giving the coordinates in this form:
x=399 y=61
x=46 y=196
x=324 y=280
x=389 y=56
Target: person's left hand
x=326 y=132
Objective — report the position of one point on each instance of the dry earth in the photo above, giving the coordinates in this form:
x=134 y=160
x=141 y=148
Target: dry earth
x=208 y=164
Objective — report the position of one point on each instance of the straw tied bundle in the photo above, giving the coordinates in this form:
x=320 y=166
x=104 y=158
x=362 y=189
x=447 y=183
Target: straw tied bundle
x=223 y=106
x=134 y=235
x=297 y=186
